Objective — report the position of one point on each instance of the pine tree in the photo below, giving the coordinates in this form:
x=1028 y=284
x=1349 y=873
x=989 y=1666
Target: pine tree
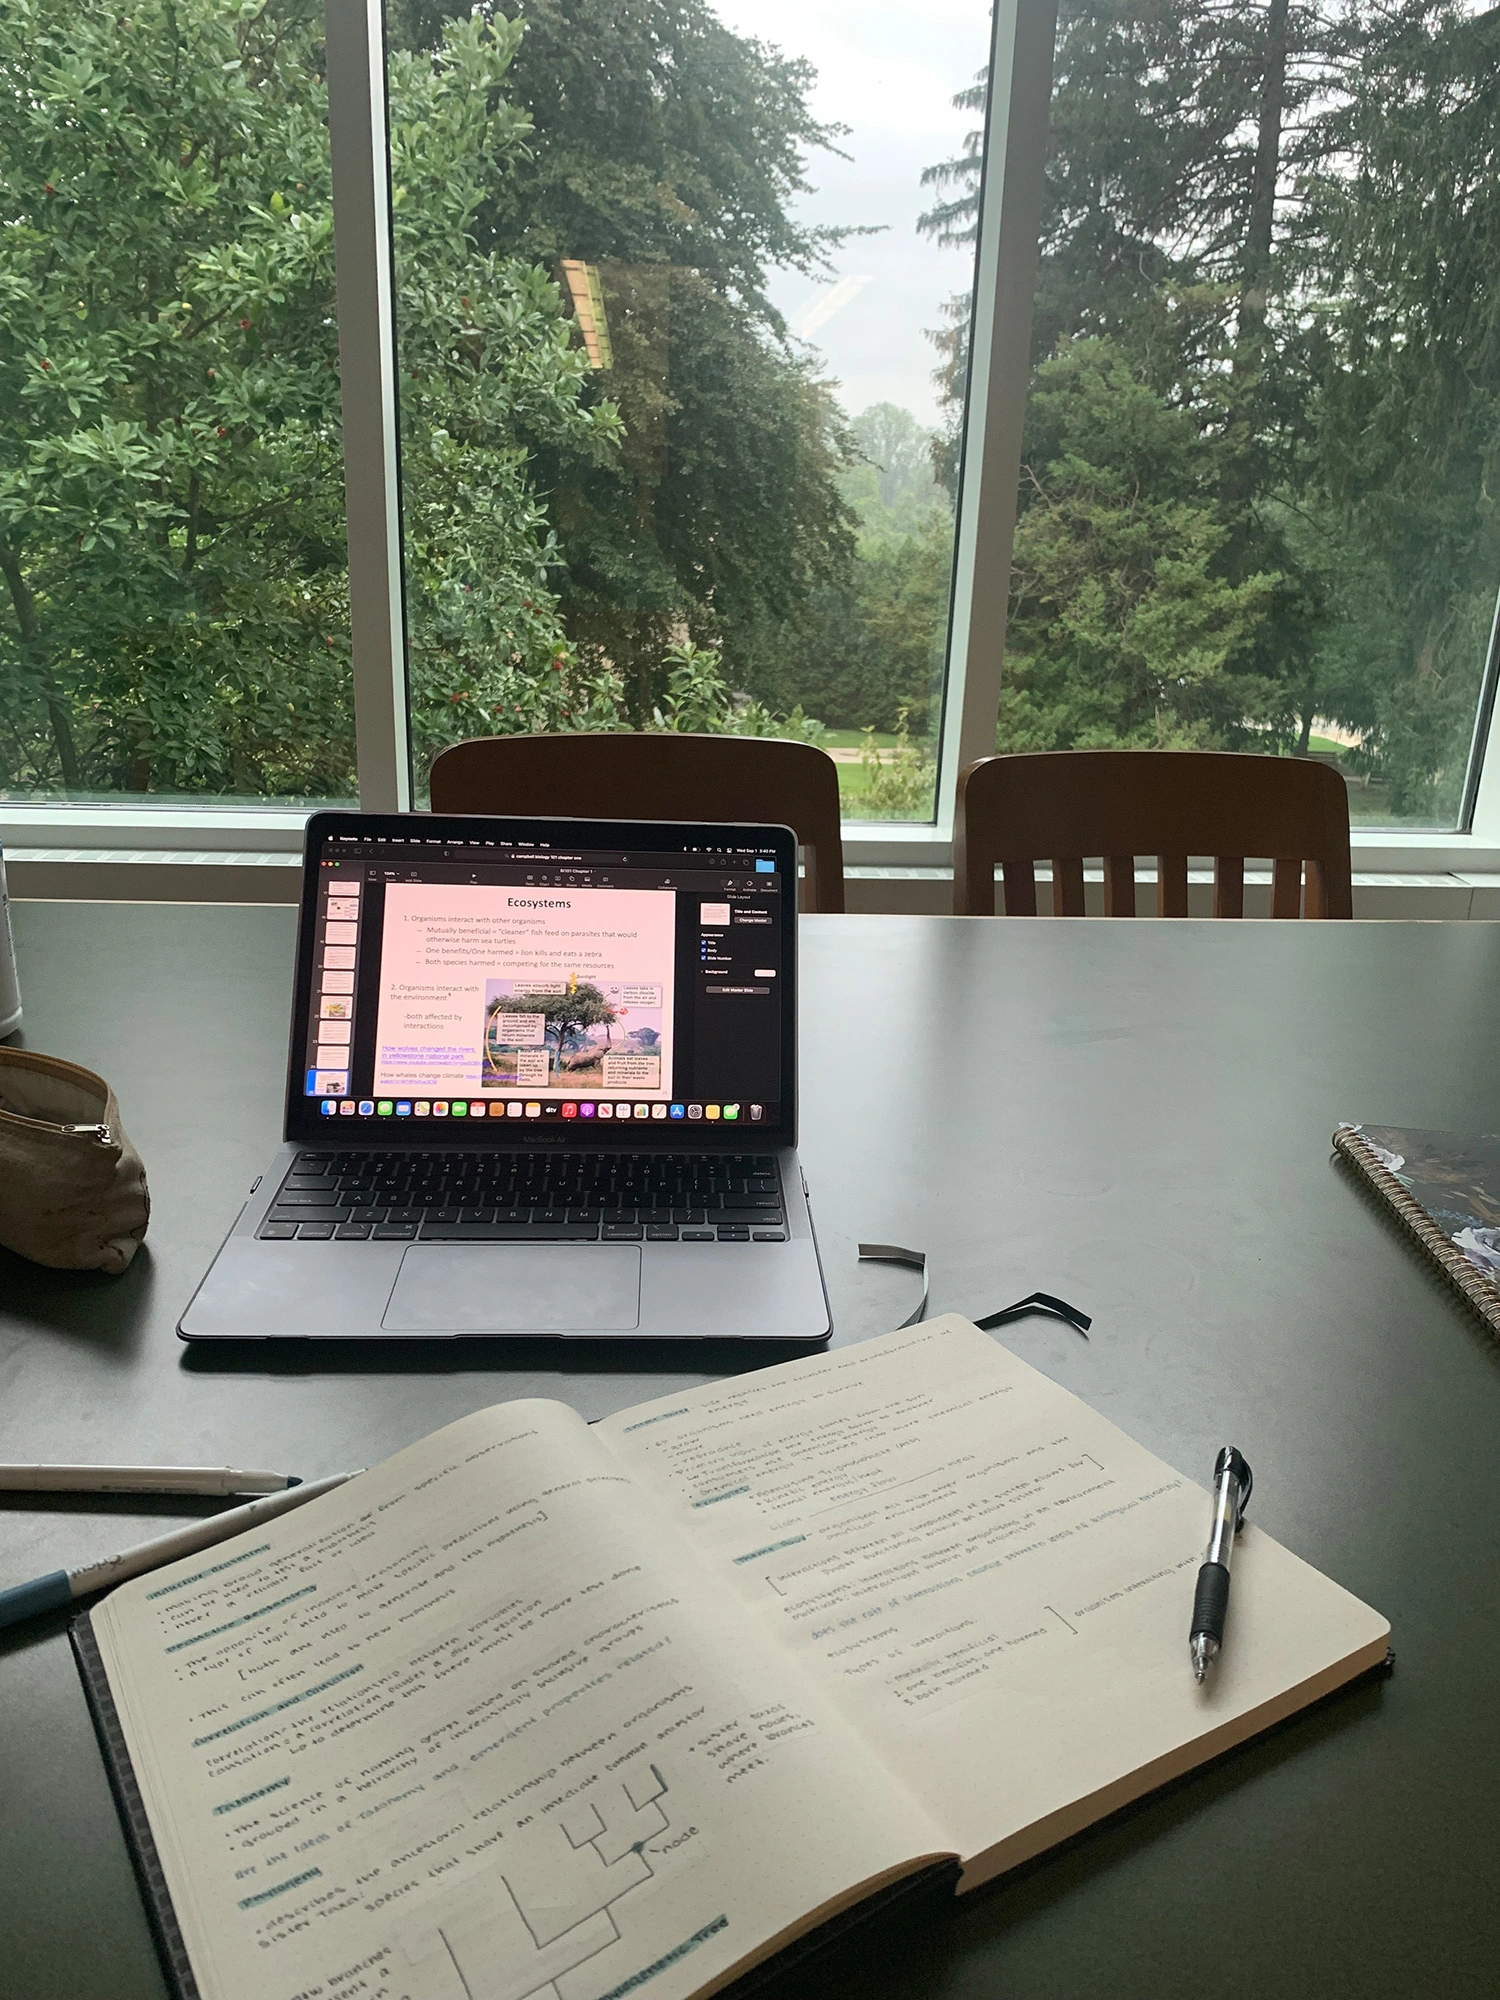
x=1276 y=215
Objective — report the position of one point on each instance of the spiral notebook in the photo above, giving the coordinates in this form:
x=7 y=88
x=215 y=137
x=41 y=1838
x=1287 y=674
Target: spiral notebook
x=1444 y=1189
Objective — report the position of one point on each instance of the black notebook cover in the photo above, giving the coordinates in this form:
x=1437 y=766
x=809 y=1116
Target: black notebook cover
x=138 y=1835
x=931 y=1885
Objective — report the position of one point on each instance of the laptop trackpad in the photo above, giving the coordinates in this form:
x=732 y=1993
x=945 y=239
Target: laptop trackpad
x=516 y=1288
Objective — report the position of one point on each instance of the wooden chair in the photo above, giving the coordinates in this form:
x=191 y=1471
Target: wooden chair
x=1069 y=805
x=657 y=776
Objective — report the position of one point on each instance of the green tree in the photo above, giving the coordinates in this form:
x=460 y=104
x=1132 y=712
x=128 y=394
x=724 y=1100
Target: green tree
x=862 y=651
x=668 y=153
x=953 y=220
x=657 y=136
x=869 y=647
x=171 y=517
x=723 y=513
x=893 y=488
x=1121 y=631
x=1276 y=215
x=900 y=783
x=566 y=1014
x=699 y=701
x=1173 y=130
x=489 y=373
x=1405 y=237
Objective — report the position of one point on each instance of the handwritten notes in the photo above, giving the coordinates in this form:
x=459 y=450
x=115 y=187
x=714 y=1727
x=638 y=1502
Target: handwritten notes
x=477 y=1723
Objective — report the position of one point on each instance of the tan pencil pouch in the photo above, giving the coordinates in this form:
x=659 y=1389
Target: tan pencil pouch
x=72 y=1187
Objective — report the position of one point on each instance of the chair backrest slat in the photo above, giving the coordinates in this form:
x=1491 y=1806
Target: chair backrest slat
x=1067 y=888
x=1171 y=885
x=1073 y=805
x=657 y=775
x=1020 y=888
x=1119 y=885
x=1286 y=888
x=1229 y=885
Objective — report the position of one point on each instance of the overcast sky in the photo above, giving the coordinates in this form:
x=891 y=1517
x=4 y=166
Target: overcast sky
x=889 y=73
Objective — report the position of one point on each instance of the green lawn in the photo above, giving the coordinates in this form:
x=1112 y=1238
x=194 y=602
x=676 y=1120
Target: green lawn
x=1369 y=801
x=1369 y=804
x=854 y=782
x=854 y=791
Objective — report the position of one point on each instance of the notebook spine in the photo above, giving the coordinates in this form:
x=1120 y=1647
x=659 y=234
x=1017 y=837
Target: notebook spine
x=1471 y=1284
x=132 y=1810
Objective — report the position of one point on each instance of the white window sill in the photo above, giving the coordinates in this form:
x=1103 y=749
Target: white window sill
x=244 y=836
x=182 y=874
x=139 y=828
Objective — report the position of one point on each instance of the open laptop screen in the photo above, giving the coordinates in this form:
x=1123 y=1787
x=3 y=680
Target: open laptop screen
x=593 y=981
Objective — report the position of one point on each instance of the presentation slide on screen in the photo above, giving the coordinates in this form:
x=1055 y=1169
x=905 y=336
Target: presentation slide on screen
x=560 y=992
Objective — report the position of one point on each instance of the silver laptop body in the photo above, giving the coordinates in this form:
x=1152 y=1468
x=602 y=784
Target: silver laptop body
x=541 y=1084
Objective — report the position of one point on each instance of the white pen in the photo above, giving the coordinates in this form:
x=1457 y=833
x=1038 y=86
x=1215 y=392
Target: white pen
x=212 y=1480
x=61 y=1586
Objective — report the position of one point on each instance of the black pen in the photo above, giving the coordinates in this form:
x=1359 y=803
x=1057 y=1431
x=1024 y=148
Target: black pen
x=1232 y=1482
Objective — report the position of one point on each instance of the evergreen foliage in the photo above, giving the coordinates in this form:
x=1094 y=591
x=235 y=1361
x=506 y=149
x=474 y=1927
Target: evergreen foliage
x=1265 y=352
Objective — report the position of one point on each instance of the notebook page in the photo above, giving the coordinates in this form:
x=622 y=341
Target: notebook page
x=992 y=1581
x=476 y=1723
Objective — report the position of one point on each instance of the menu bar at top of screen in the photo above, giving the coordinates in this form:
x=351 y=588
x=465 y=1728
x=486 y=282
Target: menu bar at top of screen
x=345 y=847
x=504 y=862
x=588 y=875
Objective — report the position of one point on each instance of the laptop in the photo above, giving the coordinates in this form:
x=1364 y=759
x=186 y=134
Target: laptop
x=542 y=1084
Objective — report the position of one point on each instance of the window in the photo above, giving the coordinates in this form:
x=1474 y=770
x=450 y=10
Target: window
x=685 y=297
x=680 y=319
x=1256 y=505
x=173 y=598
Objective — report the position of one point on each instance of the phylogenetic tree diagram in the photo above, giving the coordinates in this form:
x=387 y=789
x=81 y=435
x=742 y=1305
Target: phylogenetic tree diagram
x=561 y=1888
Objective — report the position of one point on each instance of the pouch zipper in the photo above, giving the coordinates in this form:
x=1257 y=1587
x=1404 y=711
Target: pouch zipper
x=100 y=1134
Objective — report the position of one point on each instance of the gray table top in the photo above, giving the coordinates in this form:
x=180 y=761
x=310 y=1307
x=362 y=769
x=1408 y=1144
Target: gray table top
x=1134 y=1115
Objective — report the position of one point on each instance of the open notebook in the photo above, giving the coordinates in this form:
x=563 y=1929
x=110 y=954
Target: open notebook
x=539 y=1710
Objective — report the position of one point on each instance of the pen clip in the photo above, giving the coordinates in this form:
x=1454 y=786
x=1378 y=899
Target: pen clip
x=1234 y=1462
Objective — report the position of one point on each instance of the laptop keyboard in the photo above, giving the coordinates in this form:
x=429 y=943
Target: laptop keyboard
x=528 y=1198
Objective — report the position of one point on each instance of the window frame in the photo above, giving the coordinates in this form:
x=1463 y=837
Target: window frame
x=1016 y=129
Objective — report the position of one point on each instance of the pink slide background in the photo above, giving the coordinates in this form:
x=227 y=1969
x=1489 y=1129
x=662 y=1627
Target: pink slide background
x=440 y=945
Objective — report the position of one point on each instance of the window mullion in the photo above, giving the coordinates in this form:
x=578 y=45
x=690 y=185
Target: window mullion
x=1010 y=207
x=1479 y=811
x=367 y=364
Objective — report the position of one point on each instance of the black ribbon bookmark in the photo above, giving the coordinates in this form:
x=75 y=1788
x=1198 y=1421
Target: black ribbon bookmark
x=1040 y=1302
x=1034 y=1302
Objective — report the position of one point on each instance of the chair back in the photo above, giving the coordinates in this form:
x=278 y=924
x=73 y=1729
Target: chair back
x=1067 y=806
x=657 y=775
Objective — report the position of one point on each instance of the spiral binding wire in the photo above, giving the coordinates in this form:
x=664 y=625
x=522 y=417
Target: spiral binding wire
x=1477 y=1290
